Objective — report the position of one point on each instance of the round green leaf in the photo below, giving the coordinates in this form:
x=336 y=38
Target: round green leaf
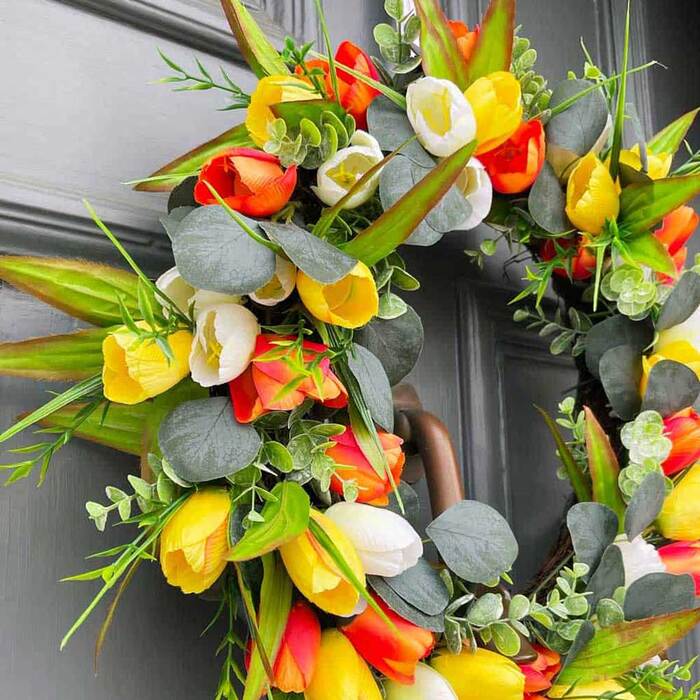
x=546 y=202
x=645 y=504
x=672 y=387
x=658 y=594
x=681 y=303
x=421 y=587
x=593 y=526
x=620 y=373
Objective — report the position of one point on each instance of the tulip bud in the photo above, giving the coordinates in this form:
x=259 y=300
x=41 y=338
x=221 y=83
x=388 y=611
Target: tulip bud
x=341 y=673
x=340 y=173
x=135 y=369
x=350 y=303
x=475 y=185
x=682 y=558
x=428 y=685
x=498 y=109
x=591 y=690
x=280 y=286
x=194 y=542
x=680 y=516
x=658 y=165
x=591 y=195
x=174 y=286
x=394 y=652
x=440 y=115
x=466 y=38
x=386 y=543
x=581 y=265
x=683 y=429
x=480 y=674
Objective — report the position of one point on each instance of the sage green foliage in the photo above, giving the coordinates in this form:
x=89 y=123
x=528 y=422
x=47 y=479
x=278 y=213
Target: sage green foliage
x=632 y=289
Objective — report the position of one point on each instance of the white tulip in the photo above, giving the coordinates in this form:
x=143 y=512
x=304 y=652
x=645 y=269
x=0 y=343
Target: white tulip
x=639 y=558
x=223 y=344
x=203 y=298
x=429 y=685
x=688 y=331
x=339 y=174
x=173 y=285
x=440 y=115
x=386 y=543
x=280 y=286
x=475 y=184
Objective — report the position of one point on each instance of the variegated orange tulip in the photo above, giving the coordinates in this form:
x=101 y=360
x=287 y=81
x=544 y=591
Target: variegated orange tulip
x=466 y=38
x=676 y=230
x=539 y=673
x=683 y=429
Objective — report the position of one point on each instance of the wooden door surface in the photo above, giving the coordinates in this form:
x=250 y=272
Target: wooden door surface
x=79 y=114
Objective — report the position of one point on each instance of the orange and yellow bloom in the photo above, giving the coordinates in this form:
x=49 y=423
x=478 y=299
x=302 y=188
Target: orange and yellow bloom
x=540 y=673
x=682 y=558
x=466 y=38
x=675 y=231
x=591 y=195
x=683 y=429
x=680 y=516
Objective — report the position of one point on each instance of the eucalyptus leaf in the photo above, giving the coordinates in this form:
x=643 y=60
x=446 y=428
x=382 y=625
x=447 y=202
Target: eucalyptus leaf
x=672 y=386
x=182 y=195
x=593 y=527
x=374 y=385
x=547 y=202
x=608 y=577
x=174 y=218
x=421 y=587
x=202 y=440
x=434 y=623
x=681 y=303
x=620 y=371
x=615 y=331
x=645 y=505
x=410 y=501
x=659 y=593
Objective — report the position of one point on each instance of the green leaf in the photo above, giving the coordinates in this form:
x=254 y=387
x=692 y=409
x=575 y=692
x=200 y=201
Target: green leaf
x=505 y=638
x=65 y=357
x=603 y=467
x=434 y=623
x=646 y=249
x=608 y=576
x=486 y=609
x=374 y=385
x=166 y=178
x=681 y=303
x=285 y=519
x=204 y=442
x=619 y=124
x=672 y=386
x=313 y=109
x=593 y=527
x=395 y=225
x=213 y=252
x=645 y=505
x=441 y=55
x=421 y=587
x=613 y=332
x=475 y=541
x=620 y=373
x=643 y=205
x=87 y=290
x=258 y=52
x=618 y=649
x=659 y=593
x=578 y=480
x=494 y=47
x=547 y=201
x=670 y=138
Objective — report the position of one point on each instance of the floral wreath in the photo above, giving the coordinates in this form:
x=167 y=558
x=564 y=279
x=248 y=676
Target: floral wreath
x=254 y=378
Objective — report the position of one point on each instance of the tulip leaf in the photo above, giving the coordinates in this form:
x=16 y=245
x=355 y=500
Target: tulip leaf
x=613 y=332
x=670 y=138
x=262 y=57
x=213 y=252
x=395 y=225
x=644 y=205
x=421 y=587
x=434 y=623
x=442 y=57
x=547 y=202
x=672 y=386
x=164 y=179
x=397 y=342
x=593 y=527
x=391 y=127
x=320 y=260
x=374 y=385
x=585 y=634
x=620 y=648
x=203 y=441
x=284 y=519
x=474 y=540
x=56 y=357
x=620 y=371
x=681 y=303
x=89 y=291
x=494 y=47
x=608 y=576
x=603 y=466
x=659 y=593
x=646 y=249
x=646 y=504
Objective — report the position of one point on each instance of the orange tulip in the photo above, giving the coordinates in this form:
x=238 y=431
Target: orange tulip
x=683 y=429
x=682 y=558
x=582 y=261
x=675 y=231
x=517 y=162
x=540 y=673
x=279 y=384
x=395 y=653
x=249 y=181
x=466 y=39
x=351 y=463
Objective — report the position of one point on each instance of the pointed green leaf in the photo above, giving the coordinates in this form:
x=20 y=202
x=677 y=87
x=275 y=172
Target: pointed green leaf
x=643 y=205
x=603 y=467
x=618 y=649
x=165 y=179
x=441 y=55
x=69 y=356
x=646 y=249
x=494 y=47
x=396 y=224
x=87 y=290
x=620 y=115
x=258 y=52
x=669 y=139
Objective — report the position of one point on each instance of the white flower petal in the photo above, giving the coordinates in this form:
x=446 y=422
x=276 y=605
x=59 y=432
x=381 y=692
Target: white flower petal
x=172 y=284
x=476 y=186
x=688 y=331
x=428 y=685
x=203 y=299
x=639 y=558
x=280 y=286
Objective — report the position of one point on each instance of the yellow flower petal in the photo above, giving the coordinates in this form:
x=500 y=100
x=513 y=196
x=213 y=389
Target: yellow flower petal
x=591 y=195
x=680 y=516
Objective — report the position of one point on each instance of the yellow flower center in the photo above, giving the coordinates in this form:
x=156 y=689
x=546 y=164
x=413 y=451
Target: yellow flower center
x=436 y=110
x=350 y=169
x=214 y=347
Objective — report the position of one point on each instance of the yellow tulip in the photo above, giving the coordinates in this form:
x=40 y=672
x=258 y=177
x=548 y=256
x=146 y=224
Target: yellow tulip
x=194 y=543
x=680 y=516
x=591 y=195
x=135 y=371
x=315 y=574
x=351 y=302
x=498 y=109
x=340 y=672
x=481 y=674
x=658 y=166
x=591 y=690
x=271 y=91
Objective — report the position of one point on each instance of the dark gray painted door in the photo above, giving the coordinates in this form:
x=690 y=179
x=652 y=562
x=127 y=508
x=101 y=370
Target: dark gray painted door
x=80 y=115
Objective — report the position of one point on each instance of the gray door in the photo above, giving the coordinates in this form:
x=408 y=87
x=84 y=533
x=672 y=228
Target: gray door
x=79 y=115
